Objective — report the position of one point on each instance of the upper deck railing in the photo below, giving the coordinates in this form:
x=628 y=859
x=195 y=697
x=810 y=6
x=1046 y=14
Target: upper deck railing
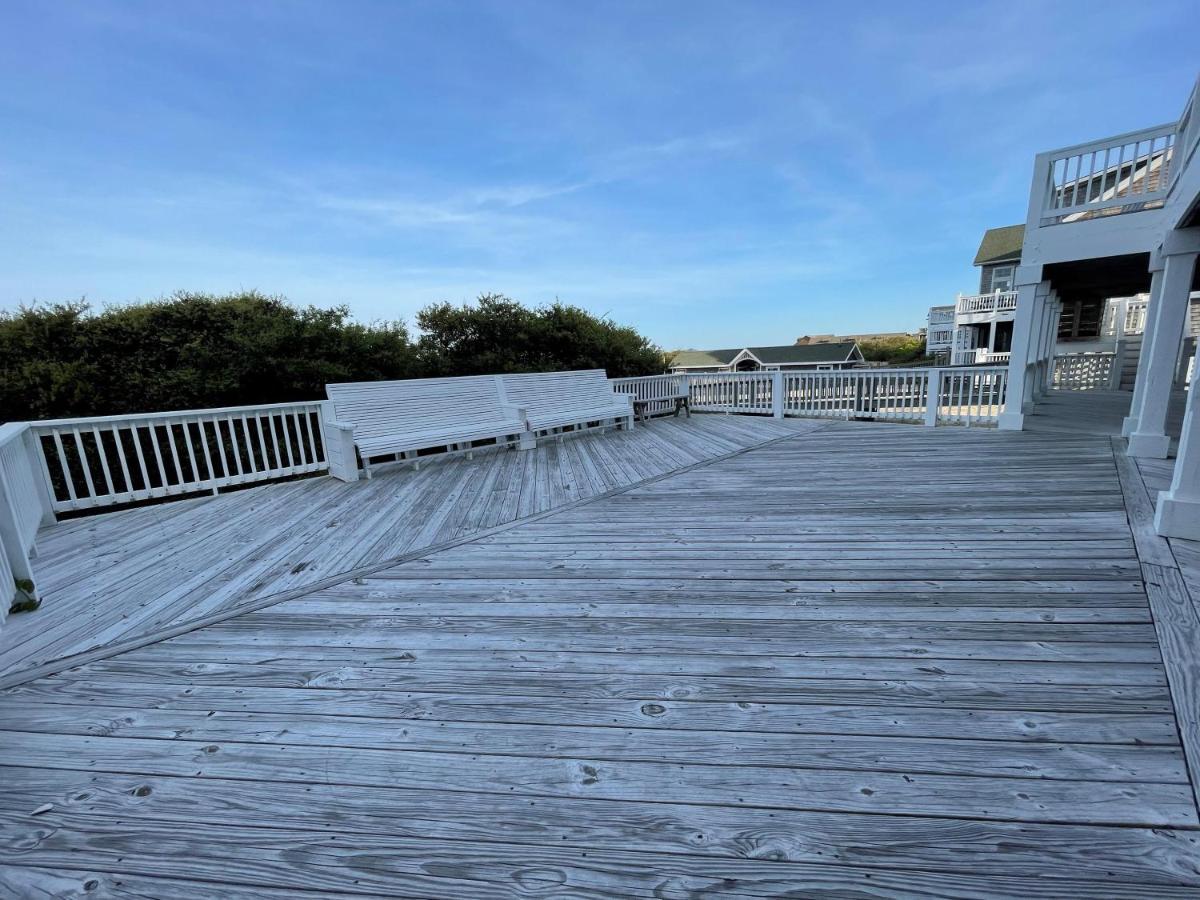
x=1118 y=174
x=996 y=302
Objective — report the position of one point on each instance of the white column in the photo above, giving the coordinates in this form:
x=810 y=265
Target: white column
x=1153 y=305
x=1045 y=353
x=1025 y=336
x=1150 y=439
x=1178 y=512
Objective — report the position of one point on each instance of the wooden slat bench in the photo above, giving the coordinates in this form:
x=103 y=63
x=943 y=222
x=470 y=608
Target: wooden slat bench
x=399 y=418
x=556 y=400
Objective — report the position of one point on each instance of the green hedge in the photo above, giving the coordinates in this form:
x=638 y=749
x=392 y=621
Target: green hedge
x=194 y=351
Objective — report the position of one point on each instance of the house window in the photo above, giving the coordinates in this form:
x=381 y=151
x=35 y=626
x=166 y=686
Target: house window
x=1002 y=278
x=1080 y=320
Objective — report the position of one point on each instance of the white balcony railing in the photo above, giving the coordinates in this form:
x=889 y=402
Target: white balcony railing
x=961 y=396
x=979 y=356
x=1127 y=172
x=941 y=316
x=110 y=460
x=1083 y=371
x=24 y=507
x=659 y=390
x=983 y=304
x=939 y=338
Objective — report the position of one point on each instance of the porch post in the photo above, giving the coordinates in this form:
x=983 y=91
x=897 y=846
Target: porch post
x=1178 y=512
x=1150 y=439
x=1046 y=345
x=1153 y=305
x=1029 y=285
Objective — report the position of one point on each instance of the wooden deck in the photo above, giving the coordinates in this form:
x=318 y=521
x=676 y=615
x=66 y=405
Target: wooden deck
x=860 y=660
x=116 y=577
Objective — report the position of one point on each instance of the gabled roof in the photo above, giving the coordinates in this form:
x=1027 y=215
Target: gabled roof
x=769 y=356
x=1000 y=245
x=704 y=357
x=807 y=353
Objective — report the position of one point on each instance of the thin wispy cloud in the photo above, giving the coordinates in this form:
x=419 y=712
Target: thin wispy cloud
x=711 y=173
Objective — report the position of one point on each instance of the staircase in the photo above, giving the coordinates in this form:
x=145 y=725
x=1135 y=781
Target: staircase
x=1129 y=361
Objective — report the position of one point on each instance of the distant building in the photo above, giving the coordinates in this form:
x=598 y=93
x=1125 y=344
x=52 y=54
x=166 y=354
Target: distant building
x=978 y=328
x=939 y=331
x=788 y=357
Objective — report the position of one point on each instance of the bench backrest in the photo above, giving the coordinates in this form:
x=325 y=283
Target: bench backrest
x=387 y=408
x=541 y=392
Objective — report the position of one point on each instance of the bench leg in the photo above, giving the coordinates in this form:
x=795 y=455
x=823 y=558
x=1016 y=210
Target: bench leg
x=527 y=441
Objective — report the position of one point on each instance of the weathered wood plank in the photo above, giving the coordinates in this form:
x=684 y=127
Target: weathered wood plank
x=1151 y=856
x=1004 y=799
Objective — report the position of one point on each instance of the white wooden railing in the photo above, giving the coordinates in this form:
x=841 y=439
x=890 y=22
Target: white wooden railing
x=939 y=337
x=110 y=460
x=980 y=356
x=999 y=301
x=1131 y=169
x=654 y=388
x=24 y=507
x=1187 y=137
x=732 y=392
x=1083 y=371
x=973 y=395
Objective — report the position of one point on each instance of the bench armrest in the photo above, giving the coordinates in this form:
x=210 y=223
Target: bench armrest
x=517 y=412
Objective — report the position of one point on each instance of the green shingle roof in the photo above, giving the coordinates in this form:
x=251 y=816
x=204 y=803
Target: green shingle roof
x=1000 y=244
x=771 y=356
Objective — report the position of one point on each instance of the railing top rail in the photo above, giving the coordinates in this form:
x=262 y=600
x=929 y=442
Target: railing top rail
x=647 y=377
x=1112 y=141
x=169 y=414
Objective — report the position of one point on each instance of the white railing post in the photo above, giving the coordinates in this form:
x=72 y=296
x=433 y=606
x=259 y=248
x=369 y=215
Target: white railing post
x=37 y=470
x=933 y=396
x=338 y=438
x=777 y=395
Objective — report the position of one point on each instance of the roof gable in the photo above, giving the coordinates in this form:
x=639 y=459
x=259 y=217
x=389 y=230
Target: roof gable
x=1000 y=245
x=783 y=354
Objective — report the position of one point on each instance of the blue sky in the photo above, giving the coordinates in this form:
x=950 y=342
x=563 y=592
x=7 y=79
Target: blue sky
x=715 y=174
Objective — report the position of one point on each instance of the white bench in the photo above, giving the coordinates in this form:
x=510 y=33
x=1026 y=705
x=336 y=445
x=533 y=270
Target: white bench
x=399 y=418
x=556 y=400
